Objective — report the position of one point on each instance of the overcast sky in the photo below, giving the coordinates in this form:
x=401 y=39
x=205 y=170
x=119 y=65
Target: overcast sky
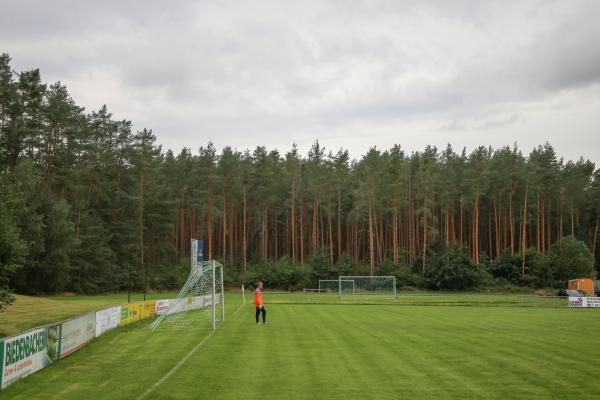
x=351 y=74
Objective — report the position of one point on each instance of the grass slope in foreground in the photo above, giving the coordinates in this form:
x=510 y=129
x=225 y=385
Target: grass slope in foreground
x=340 y=352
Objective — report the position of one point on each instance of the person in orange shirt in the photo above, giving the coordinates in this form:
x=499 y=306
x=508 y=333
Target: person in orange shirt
x=258 y=302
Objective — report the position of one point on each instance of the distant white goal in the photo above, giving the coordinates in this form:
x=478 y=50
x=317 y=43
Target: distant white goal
x=333 y=285
x=199 y=304
x=363 y=287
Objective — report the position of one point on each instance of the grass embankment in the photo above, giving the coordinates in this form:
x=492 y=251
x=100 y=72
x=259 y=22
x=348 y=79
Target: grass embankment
x=340 y=352
x=29 y=312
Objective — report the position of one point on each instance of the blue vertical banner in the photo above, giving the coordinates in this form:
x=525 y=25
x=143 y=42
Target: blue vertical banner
x=200 y=254
x=197 y=254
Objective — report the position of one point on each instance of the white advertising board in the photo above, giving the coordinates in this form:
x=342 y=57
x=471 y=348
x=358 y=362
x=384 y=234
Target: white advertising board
x=76 y=333
x=584 y=302
x=107 y=319
x=162 y=306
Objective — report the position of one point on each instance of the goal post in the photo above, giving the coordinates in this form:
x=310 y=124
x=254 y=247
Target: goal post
x=200 y=302
x=332 y=285
x=373 y=287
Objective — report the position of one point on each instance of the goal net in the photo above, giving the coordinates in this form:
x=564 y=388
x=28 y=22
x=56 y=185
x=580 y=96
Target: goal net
x=199 y=304
x=361 y=287
x=333 y=285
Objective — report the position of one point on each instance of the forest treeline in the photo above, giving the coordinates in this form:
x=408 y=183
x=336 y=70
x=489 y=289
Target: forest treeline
x=87 y=204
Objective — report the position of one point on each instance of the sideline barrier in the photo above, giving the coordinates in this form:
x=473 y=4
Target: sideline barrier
x=28 y=352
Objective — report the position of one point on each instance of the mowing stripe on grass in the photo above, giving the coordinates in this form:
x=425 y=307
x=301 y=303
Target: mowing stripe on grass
x=184 y=359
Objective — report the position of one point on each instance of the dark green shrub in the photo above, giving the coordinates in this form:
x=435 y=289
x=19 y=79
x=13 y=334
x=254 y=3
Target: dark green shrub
x=571 y=258
x=453 y=269
x=506 y=268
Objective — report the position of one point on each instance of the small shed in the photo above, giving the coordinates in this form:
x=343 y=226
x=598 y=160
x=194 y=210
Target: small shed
x=586 y=284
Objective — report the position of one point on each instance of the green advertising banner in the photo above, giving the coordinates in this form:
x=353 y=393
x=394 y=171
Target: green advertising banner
x=29 y=352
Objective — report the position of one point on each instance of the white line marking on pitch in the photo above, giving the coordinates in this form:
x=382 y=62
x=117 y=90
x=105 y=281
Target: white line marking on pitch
x=184 y=359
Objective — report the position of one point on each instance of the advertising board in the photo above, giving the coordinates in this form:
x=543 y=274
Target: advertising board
x=584 y=302
x=148 y=309
x=162 y=306
x=76 y=333
x=130 y=313
x=107 y=319
x=29 y=352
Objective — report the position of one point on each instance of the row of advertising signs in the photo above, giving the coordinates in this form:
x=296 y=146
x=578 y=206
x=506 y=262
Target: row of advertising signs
x=31 y=351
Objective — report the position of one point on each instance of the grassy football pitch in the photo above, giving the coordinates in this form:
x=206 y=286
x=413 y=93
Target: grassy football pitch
x=326 y=350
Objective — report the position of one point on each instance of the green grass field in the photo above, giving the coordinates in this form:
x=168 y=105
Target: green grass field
x=339 y=351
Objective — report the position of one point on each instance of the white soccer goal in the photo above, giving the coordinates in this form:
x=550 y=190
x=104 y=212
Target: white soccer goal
x=333 y=285
x=374 y=287
x=200 y=303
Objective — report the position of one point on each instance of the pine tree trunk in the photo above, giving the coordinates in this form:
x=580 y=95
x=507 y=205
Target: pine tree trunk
x=321 y=229
x=276 y=230
x=330 y=234
x=595 y=236
x=293 y=222
x=314 y=229
x=302 y=226
x=572 y=223
x=244 y=243
x=560 y=232
x=462 y=221
x=548 y=225
x=380 y=240
x=395 y=234
x=142 y=233
x=543 y=222
x=77 y=224
x=424 y=232
x=339 y=225
x=286 y=236
x=224 y=228
x=512 y=225
x=233 y=229
x=497 y=231
x=537 y=227
x=265 y=234
x=524 y=234
x=371 y=247
x=476 y=235
x=490 y=248
x=409 y=219
x=209 y=227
